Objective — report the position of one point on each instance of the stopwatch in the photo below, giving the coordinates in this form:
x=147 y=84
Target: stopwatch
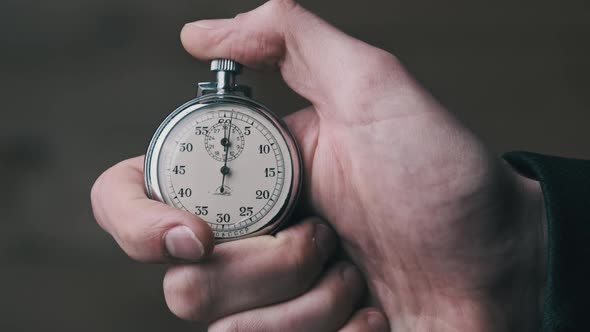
x=227 y=159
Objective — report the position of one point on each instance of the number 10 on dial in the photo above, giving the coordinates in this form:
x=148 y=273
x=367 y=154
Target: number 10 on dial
x=227 y=159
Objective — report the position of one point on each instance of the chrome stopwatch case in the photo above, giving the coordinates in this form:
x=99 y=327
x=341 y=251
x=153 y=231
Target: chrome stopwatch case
x=227 y=159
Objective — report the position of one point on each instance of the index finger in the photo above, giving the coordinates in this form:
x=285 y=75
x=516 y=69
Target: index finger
x=313 y=56
x=147 y=230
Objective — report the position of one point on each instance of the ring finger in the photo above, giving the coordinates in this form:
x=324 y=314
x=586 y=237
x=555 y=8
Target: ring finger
x=326 y=307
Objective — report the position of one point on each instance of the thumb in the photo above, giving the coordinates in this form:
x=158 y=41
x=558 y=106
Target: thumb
x=317 y=61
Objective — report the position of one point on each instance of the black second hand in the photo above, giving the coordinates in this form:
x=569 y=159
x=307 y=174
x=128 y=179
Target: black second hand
x=225 y=169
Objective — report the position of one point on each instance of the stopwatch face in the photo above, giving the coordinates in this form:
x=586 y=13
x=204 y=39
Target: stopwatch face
x=228 y=163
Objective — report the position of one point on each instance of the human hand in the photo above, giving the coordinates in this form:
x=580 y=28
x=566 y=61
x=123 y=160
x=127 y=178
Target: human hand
x=268 y=283
x=448 y=236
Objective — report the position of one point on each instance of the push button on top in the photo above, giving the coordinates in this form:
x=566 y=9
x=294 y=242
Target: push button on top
x=226 y=65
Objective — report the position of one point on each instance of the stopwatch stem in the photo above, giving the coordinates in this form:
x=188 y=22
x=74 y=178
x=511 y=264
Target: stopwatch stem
x=226 y=80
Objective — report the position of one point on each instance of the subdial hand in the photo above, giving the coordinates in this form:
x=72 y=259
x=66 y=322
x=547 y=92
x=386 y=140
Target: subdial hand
x=226 y=143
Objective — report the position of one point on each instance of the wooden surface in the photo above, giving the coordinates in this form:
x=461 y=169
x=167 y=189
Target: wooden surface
x=84 y=84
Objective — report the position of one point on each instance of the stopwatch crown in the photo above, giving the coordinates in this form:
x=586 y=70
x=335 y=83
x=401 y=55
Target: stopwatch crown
x=226 y=65
x=226 y=71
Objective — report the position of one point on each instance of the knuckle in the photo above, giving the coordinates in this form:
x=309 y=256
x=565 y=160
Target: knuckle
x=301 y=258
x=383 y=65
x=301 y=271
x=227 y=326
x=98 y=191
x=95 y=199
x=236 y=325
x=379 y=64
x=277 y=11
x=96 y=188
x=140 y=245
x=379 y=321
x=339 y=291
x=268 y=47
x=259 y=46
x=188 y=293
x=382 y=74
x=282 y=5
x=240 y=16
x=384 y=59
x=334 y=295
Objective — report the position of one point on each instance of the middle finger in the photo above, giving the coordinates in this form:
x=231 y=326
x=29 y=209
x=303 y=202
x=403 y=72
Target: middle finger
x=250 y=273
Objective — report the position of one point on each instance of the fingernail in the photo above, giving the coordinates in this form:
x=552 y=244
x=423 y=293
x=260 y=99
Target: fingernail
x=349 y=273
x=376 y=321
x=325 y=240
x=209 y=24
x=182 y=243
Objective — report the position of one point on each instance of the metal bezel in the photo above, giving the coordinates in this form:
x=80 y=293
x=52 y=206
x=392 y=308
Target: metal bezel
x=151 y=159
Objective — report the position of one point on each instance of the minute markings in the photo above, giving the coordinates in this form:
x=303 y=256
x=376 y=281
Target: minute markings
x=264 y=134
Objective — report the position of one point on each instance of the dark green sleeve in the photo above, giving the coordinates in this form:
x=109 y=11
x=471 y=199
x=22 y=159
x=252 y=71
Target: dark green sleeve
x=566 y=188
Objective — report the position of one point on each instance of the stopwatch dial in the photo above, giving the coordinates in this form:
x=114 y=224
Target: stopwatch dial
x=224 y=139
x=199 y=169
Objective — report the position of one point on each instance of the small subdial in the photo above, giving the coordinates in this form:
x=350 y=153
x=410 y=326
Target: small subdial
x=219 y=138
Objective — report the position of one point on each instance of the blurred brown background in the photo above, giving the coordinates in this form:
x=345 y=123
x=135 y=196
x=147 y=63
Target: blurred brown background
x=84 y=84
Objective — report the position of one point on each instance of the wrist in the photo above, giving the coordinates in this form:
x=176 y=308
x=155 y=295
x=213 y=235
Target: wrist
x=515 y=300
x=523 y=303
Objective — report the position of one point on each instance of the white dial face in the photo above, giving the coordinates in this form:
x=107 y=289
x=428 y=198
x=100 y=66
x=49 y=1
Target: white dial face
x=227 y=164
